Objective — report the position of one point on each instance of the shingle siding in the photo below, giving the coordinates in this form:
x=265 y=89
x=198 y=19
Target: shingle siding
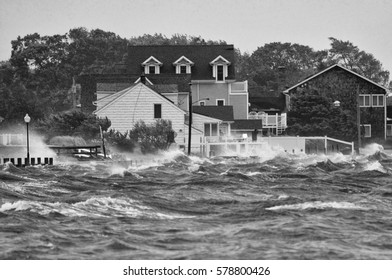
x=339 y=84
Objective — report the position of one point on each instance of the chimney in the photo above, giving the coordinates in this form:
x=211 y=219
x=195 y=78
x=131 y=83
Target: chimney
x=143 y=78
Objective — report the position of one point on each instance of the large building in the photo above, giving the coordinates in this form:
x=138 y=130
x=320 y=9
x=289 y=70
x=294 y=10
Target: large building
x=174 y=72
x=361 y=98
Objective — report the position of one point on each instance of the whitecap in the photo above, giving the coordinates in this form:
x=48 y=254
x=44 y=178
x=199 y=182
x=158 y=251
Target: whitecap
x=318 y=205
x=94 y=207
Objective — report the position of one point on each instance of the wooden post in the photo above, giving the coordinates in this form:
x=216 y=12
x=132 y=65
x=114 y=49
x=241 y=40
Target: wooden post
x=358 y=121
x=190 y=119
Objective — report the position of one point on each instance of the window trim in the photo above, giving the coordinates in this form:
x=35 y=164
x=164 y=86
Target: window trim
x=370 y=130
x=220 y=77
x=152 y=61
x=377 y=98
x=210 y=130
x=217 y=101
x=185 y=67
x=220 y=61
x=156 y=113
x=183 y=61
x=362 y=98
x=150 y=67
x=389 y=129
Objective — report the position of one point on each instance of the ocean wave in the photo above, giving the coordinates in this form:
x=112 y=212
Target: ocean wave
x=318 y=205
x=95 y=207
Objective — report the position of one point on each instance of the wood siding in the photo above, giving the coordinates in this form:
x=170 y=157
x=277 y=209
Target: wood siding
x=137 y=104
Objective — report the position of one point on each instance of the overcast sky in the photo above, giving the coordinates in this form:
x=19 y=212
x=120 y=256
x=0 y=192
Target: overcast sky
x=248 y=24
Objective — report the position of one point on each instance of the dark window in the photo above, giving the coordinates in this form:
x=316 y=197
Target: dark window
x=220 y=73
x=207 y=129
x=151 y=69
x=157 y=111
x=183 y=69
x=220 y=102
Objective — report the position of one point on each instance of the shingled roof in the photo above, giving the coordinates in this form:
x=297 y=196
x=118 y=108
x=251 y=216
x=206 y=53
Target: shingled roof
x=200 y=55
x=266 y=100
x=224 y=113
x=247 y=125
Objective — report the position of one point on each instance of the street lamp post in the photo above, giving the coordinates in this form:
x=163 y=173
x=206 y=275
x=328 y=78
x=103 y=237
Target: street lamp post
x=190 y=119
x=27 y=120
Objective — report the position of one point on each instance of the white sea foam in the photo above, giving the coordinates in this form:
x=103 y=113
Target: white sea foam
x=371 y=149
x=375 y=165
x=317 y=205
x=94 y=207
x=250 y=174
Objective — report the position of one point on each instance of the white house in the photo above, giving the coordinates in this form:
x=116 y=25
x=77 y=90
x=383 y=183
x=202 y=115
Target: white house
x=140 y=102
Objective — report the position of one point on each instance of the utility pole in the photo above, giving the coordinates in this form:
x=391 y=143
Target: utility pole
x=358 y=121
x=190 y=119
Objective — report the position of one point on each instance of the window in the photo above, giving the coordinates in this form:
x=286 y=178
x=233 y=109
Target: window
x=210 y=129
x=220 y=102
x=157 y=111
x=378 y=100
x=183 y=69
x=202 y=103
x=364 y=100
x=368 y=130
x=389 y=129
x=152 y=65
x=220 y=68
x=220 y=73
x=183 y=65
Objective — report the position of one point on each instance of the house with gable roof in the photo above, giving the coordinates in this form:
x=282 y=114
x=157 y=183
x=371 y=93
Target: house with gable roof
x=351 y=92
x=171 y=74
x=140 y=102
x=211 y=69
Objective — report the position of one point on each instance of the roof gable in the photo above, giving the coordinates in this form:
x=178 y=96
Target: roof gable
x=151 y=61
x=136 y=88
x=183 y=60
x=220 y=60
x=328 y=69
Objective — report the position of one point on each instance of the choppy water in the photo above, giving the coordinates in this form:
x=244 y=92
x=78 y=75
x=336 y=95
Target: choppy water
x=275 y=207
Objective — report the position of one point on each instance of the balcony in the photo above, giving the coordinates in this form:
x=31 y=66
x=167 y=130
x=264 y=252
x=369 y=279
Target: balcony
x=278 y=121
x=239 y=87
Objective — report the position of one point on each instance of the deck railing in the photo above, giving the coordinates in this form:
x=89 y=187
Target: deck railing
x=270 y=121
x=12 y=139
x=245 y=146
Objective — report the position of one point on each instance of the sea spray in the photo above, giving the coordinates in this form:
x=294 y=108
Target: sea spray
x=280 y=206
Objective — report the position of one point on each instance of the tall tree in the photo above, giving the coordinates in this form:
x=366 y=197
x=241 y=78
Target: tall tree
x=351 y=57
x=276 y=65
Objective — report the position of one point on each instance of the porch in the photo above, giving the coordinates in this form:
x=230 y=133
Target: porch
x=277 y=122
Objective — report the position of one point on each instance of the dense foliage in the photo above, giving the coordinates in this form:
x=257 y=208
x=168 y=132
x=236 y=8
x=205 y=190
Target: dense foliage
x=313 y=114
x=149 y=138
x=72 y=123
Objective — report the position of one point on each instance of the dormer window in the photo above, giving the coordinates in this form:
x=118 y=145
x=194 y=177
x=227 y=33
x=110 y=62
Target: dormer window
x=152 y=65
x=220 y=68
x=183 y=65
